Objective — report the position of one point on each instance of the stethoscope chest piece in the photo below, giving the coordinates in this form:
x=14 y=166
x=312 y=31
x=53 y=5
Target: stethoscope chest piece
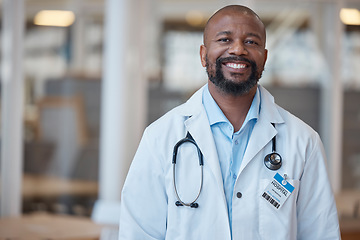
x=273 y=161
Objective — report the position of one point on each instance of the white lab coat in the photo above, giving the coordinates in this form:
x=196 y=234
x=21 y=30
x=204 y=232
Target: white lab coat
x=148 y=208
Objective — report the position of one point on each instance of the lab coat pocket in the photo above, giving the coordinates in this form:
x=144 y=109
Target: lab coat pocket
x=277 y=223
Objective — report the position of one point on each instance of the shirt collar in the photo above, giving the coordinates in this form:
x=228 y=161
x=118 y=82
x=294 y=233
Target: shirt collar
x=215 y=115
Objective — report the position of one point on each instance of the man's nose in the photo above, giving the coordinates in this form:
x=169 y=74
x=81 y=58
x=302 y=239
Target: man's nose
x=238 y=48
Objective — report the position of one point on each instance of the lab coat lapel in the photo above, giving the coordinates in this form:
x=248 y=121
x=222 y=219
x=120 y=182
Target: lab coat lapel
x=262 y=134
x=200 y=130
x=198 y=126
x=263 y=131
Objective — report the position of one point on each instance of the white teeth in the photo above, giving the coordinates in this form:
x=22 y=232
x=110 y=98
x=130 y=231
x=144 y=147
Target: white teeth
x=235 y=65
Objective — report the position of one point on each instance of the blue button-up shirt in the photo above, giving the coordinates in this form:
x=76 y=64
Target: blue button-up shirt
x=230 y=146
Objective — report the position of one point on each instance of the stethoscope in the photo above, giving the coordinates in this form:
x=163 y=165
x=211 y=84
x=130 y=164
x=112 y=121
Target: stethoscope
x=272 y=161
x=189 y=139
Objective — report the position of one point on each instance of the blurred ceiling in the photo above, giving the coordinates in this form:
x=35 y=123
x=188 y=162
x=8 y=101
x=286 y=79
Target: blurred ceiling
x=177 y=9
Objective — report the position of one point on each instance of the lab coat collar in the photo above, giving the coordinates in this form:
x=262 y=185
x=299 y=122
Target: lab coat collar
x=263 y=131
x=193 y=105
x=268 y=112
x=198 y=125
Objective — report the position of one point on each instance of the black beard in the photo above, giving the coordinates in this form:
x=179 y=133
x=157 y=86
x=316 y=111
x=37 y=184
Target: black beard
x=228 y=86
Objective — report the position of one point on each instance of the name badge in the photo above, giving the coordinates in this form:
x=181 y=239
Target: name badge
x=278 y=191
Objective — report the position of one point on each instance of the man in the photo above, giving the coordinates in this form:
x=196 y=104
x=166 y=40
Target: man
x=247 y=192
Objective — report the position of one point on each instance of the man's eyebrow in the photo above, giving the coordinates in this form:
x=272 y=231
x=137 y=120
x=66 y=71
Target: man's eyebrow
x=223 y=33
x=250 y=34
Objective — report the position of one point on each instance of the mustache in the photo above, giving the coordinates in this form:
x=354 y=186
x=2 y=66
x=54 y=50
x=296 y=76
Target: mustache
x=234 y=58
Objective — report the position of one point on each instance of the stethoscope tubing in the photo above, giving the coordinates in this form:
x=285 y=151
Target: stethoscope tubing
x=189 y=139
x=190 y=204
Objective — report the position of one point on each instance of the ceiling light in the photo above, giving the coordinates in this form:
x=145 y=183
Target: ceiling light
x=350 y=16
x=194 y=18
x=54 y=18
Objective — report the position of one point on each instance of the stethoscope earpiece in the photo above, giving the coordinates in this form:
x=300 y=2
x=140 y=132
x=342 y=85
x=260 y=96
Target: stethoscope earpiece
x=192 y=205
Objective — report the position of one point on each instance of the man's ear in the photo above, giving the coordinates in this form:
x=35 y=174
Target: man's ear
x=265 y=56
x=203 y=55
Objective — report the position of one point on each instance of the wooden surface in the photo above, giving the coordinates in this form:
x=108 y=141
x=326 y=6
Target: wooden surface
x=40 y=226
x=350 y=228
x=51 y=227
x=348 y=204
x=46 y=186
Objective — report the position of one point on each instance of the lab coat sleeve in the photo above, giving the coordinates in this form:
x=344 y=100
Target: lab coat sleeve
x=317 y=214
x=144 y=200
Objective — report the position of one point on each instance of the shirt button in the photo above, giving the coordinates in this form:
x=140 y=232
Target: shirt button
x=236 y=142
x=238 y=194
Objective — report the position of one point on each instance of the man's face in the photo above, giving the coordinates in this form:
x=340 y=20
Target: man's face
x=234 y=52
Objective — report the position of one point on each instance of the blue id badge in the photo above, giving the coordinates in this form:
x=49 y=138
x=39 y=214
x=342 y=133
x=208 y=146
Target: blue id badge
x=278 y=191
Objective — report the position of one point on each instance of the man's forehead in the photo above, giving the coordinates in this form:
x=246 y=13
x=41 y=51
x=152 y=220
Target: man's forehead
x=220 y=20
x=223 y=19
x=233 y=11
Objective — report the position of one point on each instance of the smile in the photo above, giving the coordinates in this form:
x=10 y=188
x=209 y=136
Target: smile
x=236 y=65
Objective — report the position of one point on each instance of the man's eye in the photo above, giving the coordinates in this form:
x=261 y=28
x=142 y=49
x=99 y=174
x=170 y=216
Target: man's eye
x=251 y=42
x=223 y=40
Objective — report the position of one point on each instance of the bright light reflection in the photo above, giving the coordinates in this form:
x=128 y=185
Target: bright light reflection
x=194 y=18
x=350 y=16
x=54 y=18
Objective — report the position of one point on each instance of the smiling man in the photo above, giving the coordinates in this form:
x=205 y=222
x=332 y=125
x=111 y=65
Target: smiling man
x=229 y=163
x=234 y=55
x=228 y=48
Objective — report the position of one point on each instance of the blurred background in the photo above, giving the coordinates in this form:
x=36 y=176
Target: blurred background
x=81 y=79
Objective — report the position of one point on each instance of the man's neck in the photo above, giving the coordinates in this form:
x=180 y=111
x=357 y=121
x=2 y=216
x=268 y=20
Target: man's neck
x=235 y=108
